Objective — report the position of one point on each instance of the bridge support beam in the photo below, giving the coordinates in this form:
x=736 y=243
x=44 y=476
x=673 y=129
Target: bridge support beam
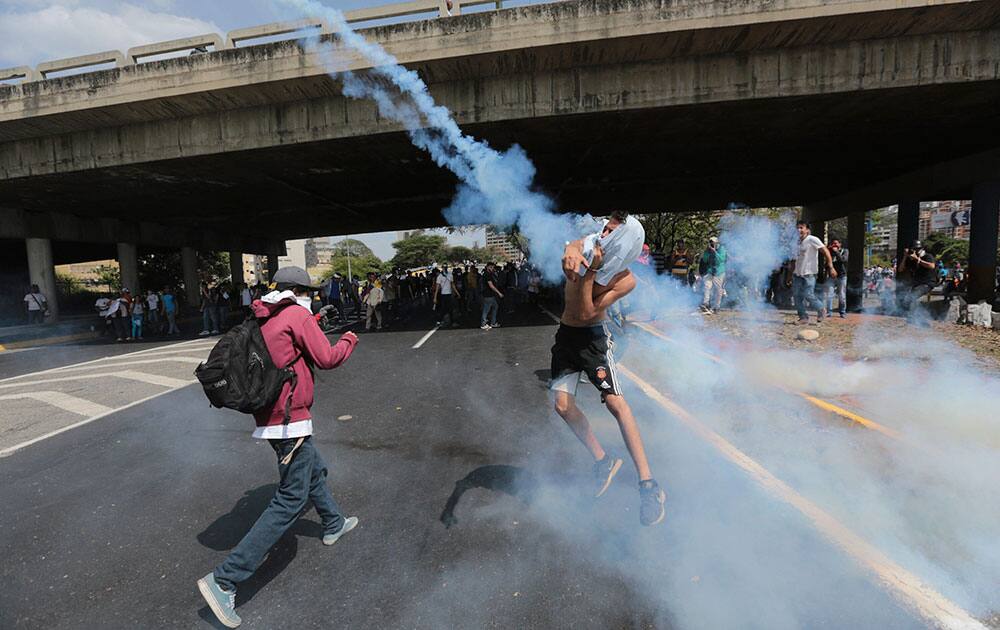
x=855 y=260
x=42 y=272
x=236 y=268
x=908 y=225
x=128 y=265
x=272 y=261
x=189 y=266
x=983 y=242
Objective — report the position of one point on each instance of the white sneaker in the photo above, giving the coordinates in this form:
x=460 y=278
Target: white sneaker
x=349 y=523
x=215 y=332
x=485 y=327
x=204 y=333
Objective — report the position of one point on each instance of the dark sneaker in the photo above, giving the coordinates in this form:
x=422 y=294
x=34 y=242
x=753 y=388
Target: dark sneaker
x=843 y=315
x=651 y=500
x=604 y=471
x=222 y=603
x=349 y=523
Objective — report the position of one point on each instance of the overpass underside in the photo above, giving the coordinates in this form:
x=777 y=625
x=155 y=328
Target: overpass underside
x=637 y=104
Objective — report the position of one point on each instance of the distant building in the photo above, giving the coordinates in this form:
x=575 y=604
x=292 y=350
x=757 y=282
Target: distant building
x=402 y=236
x=500 y=242
x=319 y=251
x=296 y=254
x=253 y=269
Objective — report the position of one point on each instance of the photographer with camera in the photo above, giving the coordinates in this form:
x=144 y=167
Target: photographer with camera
x=915 y=277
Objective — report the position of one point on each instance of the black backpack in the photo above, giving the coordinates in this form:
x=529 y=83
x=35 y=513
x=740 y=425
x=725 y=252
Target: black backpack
x=239 y=373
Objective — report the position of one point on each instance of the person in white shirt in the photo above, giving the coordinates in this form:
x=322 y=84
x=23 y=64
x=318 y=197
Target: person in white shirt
x=444 y=289
x=153 y=311
x=806 y=268
x=246 y=299
x=36 y=304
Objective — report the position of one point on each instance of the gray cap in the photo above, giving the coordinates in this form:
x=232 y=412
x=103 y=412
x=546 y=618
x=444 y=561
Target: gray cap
x=293 y=275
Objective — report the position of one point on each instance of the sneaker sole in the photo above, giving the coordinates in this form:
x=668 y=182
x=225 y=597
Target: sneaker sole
x=206 y=593
x=342 y=532
x=663 y=509
x=611 y=475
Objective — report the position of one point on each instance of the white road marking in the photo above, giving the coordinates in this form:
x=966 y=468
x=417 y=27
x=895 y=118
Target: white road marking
x=425 y=337
x=910 y=589
x=92 y=361
x=188 y=360
x=10 y=449
x=143 y=377
x=64 y=401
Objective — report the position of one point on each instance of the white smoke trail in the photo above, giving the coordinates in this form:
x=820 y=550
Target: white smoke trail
x=936 y=514
x=495 y=187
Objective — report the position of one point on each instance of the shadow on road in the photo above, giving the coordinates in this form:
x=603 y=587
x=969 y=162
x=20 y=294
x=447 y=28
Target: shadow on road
x=226 y=532
x=511 y=480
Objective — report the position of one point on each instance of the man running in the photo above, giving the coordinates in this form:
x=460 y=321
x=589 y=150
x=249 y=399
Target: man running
x=597 y=271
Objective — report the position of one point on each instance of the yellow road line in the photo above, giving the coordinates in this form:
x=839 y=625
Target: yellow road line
x=822 y=404
x=905 y=586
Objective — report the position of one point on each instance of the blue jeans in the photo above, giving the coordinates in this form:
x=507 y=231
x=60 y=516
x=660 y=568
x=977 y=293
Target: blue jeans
x=302 y=480
x=804 y=288
x=836 y=286
x=489 y=310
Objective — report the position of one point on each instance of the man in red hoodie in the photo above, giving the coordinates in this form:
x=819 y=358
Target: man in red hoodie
x=293 y=338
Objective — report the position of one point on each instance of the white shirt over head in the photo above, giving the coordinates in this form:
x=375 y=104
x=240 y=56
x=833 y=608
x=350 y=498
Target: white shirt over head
x=621 y=248
x=807 y=262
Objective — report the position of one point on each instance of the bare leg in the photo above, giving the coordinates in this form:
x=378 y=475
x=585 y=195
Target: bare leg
x=630 y=433
x=566 y=407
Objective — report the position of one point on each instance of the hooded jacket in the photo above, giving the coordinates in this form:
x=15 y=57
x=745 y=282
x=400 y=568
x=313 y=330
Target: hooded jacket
x=289 y=331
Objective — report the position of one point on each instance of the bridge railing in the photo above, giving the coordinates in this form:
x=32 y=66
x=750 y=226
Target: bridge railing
x=212 y=41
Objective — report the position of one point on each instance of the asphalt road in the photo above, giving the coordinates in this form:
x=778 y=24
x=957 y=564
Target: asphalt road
x=471 y=494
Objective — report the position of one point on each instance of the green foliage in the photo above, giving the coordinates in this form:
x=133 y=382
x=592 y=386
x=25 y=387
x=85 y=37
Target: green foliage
x=419 y=250
x=356 y=247
x=947 y=249
x=459 y=254
x=109 y=277
x=664 y=229
x=359 y=265
x=68 y=285
x=161 y=269
x=485 y=255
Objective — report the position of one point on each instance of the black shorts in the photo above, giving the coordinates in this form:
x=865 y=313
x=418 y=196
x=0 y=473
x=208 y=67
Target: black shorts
x=579 y=351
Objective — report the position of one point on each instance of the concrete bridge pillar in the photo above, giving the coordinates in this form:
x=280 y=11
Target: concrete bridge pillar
x=272 y=261
x=983 y=242
x=189 y=266
x=236 y=267
x=908 y=225
x=42 y=272
x=856 y=260
x=128 y=266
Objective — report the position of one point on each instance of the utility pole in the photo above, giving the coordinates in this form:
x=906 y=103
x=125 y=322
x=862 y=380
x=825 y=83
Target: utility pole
x=348 y=244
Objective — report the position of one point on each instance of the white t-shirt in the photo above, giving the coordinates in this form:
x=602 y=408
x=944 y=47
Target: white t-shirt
x=153 y=300
x=807 y=262
x=444 y=281
x=35 y=301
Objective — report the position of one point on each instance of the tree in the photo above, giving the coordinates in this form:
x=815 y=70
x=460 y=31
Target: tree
x=356 y=247
x=486 y=254
x=664 y=229
x=418 y=250
x=360 y=265
x=946 y=248
x=459 y=254
x=161 y=269
x=108 y=276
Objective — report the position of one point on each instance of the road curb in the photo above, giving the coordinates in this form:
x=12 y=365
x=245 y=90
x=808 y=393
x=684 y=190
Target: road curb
x=46 y=341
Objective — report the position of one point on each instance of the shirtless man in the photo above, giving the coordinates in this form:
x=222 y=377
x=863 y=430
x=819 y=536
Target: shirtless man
x=597 y=272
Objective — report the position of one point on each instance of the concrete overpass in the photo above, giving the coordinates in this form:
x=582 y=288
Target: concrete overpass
x=839 y=105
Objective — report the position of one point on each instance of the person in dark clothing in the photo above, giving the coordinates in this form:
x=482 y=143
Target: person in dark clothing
x=915 y=277
x=837 y=285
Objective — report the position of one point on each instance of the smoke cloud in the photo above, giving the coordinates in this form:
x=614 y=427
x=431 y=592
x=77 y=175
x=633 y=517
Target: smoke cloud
x=729 y=555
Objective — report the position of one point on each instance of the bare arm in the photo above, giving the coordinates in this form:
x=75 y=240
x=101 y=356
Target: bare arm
x=572 y=259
